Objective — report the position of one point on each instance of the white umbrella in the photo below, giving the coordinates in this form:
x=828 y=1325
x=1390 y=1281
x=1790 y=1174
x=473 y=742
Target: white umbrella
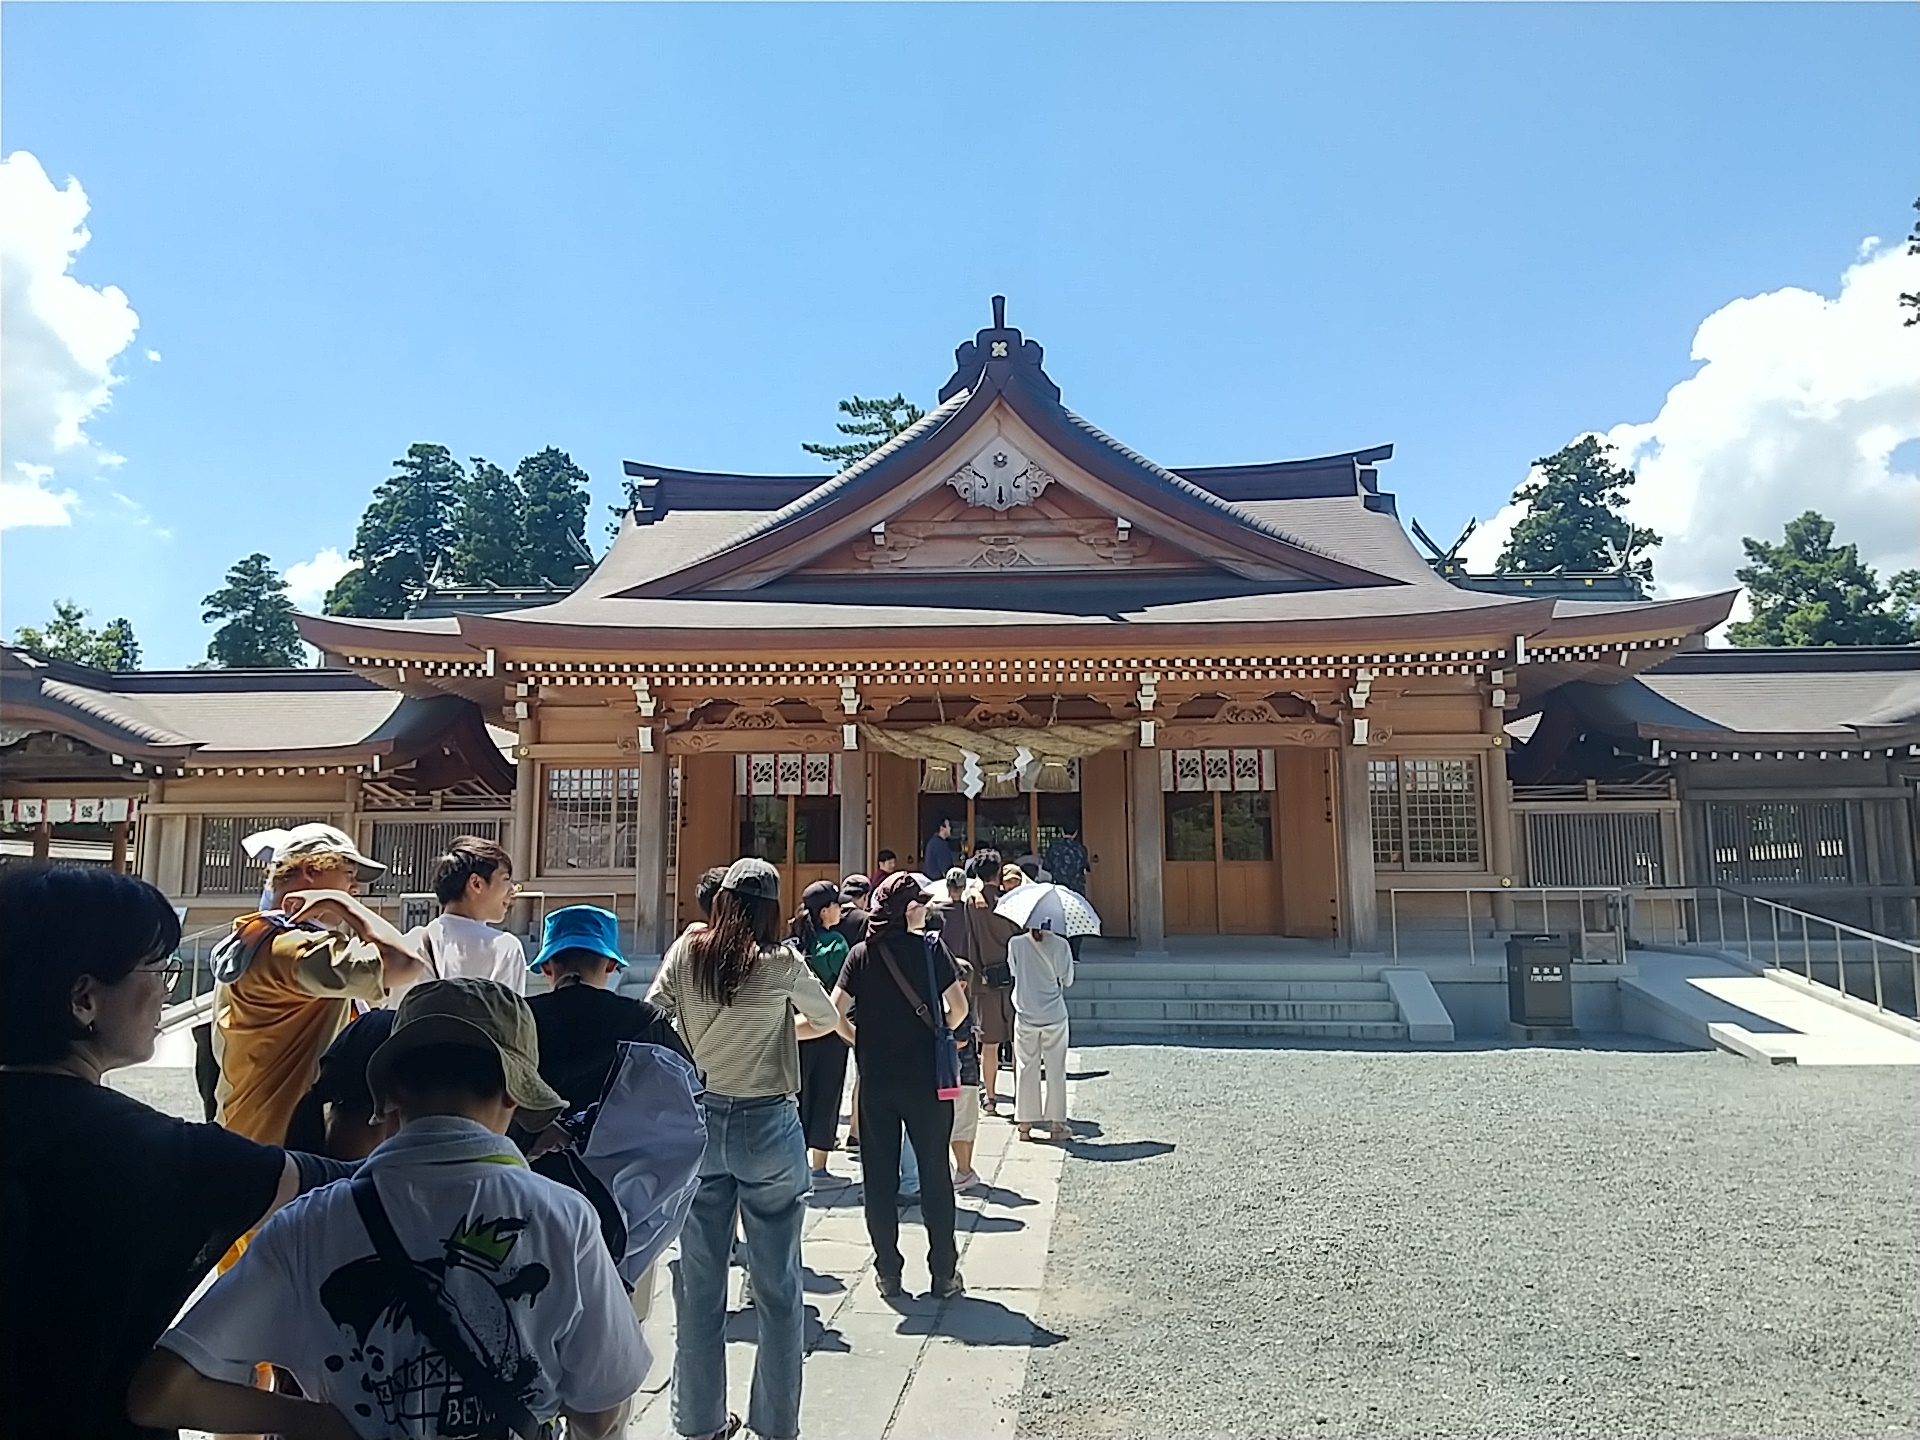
x=1039 y=906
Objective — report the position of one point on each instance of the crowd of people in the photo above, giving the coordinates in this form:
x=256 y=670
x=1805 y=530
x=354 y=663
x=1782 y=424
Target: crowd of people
x=387 y=1185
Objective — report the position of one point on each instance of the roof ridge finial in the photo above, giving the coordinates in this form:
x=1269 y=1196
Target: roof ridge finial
x=999 y=312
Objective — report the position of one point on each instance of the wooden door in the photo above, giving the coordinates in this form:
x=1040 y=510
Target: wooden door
x=1103 y=819
x=1190 y=870
x=707 y=824
x=1248 y=888
x=896 y=807
x=1306 y=843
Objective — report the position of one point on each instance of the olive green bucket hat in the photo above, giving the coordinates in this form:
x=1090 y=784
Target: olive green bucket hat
x=481 y=1013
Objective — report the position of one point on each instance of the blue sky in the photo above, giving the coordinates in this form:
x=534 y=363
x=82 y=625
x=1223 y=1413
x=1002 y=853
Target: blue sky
x=680 y=234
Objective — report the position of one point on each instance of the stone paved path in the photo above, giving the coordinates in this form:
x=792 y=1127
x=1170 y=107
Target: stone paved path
x=913 y=1367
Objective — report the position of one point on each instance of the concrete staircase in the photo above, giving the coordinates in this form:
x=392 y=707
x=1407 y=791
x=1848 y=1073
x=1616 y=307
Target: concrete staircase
x=1252 y=1000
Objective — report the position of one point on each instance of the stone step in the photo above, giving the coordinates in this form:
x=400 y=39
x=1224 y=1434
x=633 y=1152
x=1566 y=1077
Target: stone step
x=1237 y=1011
x=1185 y=971
x=1087 y=987
x=1084 y=1030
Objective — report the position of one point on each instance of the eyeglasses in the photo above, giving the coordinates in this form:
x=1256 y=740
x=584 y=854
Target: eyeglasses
x=172 y=968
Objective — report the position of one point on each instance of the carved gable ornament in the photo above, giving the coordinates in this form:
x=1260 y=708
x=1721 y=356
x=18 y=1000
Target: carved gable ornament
x=999 y=478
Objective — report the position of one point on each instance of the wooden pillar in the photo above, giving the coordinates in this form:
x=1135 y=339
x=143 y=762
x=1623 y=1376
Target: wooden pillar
x=520 y=823
x=42 y=842
x=1502 y=850
x=1359 y=903
x=1149 y=874
x=653 y=907
x=855 y=856
x=119 y=847
x=148 y=836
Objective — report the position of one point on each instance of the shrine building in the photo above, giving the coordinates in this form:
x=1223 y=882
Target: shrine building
x=1259 y=704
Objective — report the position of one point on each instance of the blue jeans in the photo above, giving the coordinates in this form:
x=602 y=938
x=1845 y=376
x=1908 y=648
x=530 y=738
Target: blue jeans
x=755 y=1165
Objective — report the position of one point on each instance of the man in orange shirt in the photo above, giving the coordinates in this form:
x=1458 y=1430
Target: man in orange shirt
x=287 y=975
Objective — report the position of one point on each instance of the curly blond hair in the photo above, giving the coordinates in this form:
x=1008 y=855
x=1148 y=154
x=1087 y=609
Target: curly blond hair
x=325 y=862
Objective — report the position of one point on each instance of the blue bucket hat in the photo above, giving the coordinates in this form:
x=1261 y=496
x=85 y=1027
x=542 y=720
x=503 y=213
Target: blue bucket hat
x=581 y=927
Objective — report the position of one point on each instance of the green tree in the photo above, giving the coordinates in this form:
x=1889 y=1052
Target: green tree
x=1573 y=520
x=1809 y=591
x=406 y=531
x=870 y=423
x=259 y=633
x=556 y=517
x=67 y=637
x=1911 y=299
x=489 y=528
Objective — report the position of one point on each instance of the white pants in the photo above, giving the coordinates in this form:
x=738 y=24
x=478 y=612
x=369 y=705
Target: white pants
x=1036 y=1047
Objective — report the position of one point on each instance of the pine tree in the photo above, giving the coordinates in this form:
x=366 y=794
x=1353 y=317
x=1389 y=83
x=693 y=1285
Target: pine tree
x=556 y=516
x=404 y=533
x=68 y=637
x=1573 y=520
x=1808 y=591
x=871 y=423
x=259 y=633
x=489 y=528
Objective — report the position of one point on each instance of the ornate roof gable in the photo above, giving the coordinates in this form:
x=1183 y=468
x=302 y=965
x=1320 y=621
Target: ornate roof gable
x=1002 y=479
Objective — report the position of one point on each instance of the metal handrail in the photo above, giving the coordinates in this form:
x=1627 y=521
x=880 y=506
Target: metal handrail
x=1615 y=897
x=1746 y=943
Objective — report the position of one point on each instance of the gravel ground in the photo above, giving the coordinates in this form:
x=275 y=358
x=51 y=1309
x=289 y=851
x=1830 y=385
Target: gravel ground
x=165 y=1087
x=1565 y=1242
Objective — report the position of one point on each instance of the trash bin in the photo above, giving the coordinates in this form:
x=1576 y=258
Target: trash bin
x=1540 y=980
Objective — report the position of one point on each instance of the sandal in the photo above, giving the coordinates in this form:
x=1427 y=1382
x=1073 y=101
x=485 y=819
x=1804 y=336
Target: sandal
x=727 y=1432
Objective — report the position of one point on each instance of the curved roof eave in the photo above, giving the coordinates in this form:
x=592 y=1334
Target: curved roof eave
x=1694 y=613
x=341 y=635
x=1517 y=617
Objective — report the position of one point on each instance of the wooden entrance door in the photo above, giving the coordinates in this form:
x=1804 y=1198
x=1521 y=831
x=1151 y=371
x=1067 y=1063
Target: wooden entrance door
x=708 y=827
x=1219 y=875
x=1103 y=814
x=797 y=834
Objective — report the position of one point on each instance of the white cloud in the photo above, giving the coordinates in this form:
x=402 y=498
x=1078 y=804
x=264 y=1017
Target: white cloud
x=308 y=581
x=27 y=500
x=154 y=356
x=1800 y=403
x=59 y=338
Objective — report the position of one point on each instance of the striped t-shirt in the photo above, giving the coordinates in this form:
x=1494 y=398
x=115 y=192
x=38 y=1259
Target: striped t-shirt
x=745 y=1049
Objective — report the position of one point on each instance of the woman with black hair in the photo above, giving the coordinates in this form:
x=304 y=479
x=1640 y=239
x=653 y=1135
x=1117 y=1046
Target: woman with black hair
x=114 y=1212
x=823 y=1061
x=733 y=989
x=900 y=977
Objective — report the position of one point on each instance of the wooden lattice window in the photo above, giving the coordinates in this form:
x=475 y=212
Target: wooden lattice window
x=224 y=866
x=1425 y=812
x=589 y=820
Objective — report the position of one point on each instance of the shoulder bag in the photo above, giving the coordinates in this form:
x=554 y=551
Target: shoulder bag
x=946 y=1050
x=508 y=1414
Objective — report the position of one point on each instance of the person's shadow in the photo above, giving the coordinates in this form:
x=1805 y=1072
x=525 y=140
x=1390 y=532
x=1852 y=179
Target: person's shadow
x=972 y=1320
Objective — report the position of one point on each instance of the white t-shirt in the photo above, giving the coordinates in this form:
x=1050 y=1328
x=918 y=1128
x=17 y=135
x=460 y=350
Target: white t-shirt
x=1041 y=970
x=518 y=1258
x=455 y=945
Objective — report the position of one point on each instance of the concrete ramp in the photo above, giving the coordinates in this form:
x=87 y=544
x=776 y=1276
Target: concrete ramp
x=1707 y=1002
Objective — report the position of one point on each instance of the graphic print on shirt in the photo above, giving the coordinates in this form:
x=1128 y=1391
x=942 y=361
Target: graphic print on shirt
x=412 y=1383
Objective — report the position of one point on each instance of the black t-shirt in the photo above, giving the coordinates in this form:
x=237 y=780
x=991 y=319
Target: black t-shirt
x=113 y=1214
x=853 y=925
x=891 y=1042
x=342 y=1081
x=581 y=1027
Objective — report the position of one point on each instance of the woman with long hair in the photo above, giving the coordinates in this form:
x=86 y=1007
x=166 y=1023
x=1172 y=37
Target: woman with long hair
x=900 y=977
x=733 y=989
x=823 y=1061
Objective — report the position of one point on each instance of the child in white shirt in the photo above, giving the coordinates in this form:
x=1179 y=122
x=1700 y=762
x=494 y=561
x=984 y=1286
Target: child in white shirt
x=474 y=883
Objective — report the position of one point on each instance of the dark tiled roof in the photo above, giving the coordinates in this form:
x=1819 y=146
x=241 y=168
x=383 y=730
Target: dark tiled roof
x=220 y=717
